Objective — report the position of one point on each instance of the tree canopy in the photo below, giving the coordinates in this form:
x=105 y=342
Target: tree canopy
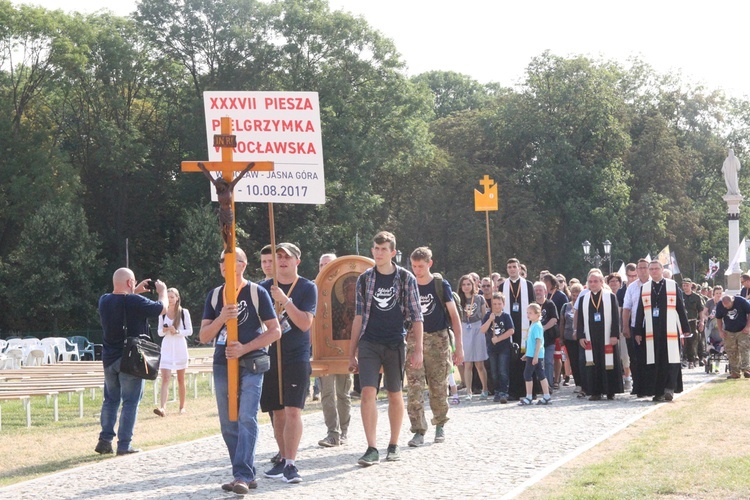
x=97 y=111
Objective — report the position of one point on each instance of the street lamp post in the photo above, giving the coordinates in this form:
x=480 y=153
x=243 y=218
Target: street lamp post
x=598 y=259
x=399 y=255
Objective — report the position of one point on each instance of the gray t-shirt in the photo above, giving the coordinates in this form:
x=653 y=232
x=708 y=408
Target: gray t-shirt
x=474 y=310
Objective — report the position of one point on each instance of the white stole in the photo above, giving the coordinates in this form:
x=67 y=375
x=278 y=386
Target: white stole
x=673 y=342
x=607 y=312
x=524 y=305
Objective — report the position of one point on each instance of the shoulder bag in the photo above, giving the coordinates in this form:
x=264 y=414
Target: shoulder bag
x=140 y=357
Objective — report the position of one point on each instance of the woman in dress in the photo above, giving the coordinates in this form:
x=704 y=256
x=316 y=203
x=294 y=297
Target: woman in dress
x=174 y=327
x=473 y=309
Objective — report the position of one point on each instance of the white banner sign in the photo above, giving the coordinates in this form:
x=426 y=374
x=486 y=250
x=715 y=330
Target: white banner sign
x=282 y=127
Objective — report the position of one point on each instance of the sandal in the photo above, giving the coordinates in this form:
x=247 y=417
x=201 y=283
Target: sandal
x=454 y=400
x=544 y=401
x=524 y=401
x=160 y=412
x=581 y=394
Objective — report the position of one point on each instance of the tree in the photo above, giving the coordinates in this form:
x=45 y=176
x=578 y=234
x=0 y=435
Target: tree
x=192 y=267
x=455 y=92
x=51 y=279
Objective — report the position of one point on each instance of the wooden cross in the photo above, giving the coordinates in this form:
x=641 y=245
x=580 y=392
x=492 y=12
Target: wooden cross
x=224 y=188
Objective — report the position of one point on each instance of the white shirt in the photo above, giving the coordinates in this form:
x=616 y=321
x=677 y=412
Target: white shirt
x=632 y=296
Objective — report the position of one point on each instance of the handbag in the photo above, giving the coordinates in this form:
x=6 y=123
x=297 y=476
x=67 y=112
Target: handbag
x=140 y=357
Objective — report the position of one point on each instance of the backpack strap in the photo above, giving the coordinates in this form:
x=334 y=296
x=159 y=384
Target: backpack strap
x=253 y=297
x=256 y=304
x=215 y=296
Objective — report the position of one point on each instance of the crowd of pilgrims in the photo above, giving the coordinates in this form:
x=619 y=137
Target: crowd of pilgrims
x=594 y=335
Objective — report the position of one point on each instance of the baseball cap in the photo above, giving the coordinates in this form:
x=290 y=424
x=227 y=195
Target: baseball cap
x=290 y=249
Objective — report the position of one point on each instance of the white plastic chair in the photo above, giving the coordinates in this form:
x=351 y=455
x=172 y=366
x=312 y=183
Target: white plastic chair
x=3 y=345
x=69 y=349
x=15 y=356
x=51 y=350
x=36 y=356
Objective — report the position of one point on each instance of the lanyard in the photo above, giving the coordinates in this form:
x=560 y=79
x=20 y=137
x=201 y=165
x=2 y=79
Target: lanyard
x=279 y=305
x=595 y=304
x=517 y=292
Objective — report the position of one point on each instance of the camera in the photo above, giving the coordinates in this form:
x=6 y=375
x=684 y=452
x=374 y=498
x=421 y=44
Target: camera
x=151 y=286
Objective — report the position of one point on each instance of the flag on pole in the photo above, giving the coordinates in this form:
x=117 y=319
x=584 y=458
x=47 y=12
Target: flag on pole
x=739 y=256
x=675 y=267
x=623 y=274
x=663 y=257
x=713 y=268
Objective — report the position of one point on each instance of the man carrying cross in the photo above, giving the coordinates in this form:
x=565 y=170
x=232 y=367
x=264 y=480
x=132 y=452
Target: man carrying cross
x=241 y=435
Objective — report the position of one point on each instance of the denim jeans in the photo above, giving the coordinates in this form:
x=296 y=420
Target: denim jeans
x=500 y=369
x=120 y=387
x=549 y=364
x=241 y=436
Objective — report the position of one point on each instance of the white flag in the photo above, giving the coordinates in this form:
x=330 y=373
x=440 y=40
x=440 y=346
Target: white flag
x=623 y=274
x=739 y=256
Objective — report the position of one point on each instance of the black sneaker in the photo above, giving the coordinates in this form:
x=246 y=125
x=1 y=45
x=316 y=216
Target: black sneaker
x=277 y=470
x=371 y=457
x=394 y=454
x=103 y=447
x=129 y=451
x=291 y=474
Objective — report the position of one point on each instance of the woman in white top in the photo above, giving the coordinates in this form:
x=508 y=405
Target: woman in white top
x=175 y=327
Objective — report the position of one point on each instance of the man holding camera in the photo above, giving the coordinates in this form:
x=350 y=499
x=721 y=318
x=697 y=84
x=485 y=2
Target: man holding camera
x=124 y=313
x=240 y=436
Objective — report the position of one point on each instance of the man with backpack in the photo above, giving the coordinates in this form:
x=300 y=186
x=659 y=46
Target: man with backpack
x=257 y=328
x=439 y=313
x=387 y=295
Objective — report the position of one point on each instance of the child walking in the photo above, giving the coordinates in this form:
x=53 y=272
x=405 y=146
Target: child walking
x=498 y=329
x=535 y=352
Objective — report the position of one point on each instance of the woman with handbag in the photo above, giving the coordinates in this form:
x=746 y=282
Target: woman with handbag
x=174 y=327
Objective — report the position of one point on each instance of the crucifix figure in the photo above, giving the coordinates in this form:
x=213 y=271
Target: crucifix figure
x=224 y=190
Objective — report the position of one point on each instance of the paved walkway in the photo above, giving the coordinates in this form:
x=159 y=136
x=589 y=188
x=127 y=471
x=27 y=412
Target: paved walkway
x=487 y=453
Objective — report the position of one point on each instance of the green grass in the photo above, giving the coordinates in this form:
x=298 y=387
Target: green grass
x=689 y=449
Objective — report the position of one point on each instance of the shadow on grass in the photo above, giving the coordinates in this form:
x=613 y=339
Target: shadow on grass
x=11 y=476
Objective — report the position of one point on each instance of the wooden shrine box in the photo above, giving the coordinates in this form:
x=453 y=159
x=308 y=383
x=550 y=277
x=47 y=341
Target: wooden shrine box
x=332 y=327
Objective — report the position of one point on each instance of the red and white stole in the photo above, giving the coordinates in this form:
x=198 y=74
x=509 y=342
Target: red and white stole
x=523 y=294
x=673 y=341
x=609 y=360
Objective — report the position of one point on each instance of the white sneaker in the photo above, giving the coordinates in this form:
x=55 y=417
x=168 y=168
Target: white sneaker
x=628 y=384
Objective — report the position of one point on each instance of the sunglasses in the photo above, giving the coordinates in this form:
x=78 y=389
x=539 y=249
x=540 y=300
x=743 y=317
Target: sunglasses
x=221 y=261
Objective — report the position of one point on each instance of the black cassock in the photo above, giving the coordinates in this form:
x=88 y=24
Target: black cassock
x=517 y=386
x=662 y=374
x=599 y=380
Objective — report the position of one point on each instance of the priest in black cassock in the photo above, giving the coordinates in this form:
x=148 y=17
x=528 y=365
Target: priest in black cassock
x=598 y=333
x=659 y=319
x=519 y=293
